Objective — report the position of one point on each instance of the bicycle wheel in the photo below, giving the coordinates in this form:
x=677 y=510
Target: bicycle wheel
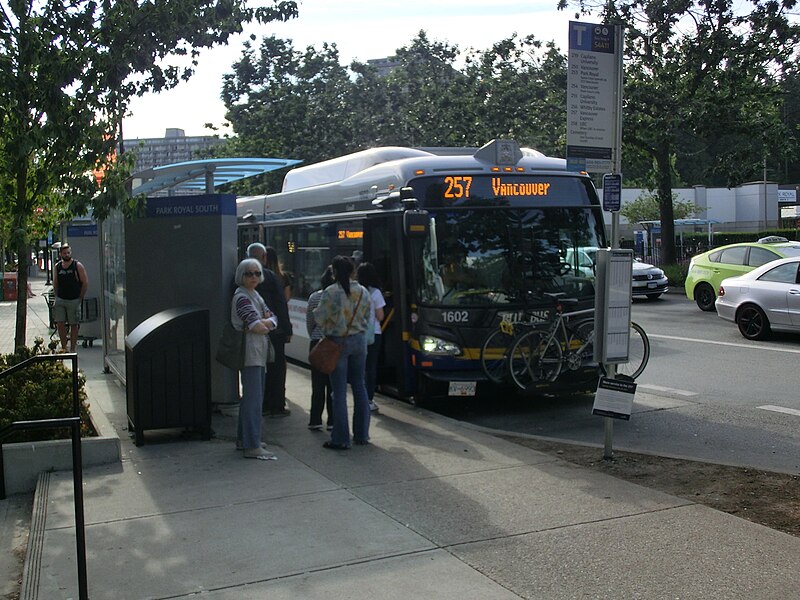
x=534 y=358
x=494 y=355
x=638 y=355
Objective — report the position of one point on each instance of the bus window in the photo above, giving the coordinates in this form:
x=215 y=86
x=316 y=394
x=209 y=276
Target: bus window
x=504 y=257
x=306 y=250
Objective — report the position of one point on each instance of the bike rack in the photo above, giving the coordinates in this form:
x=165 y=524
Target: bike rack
x=74 y=423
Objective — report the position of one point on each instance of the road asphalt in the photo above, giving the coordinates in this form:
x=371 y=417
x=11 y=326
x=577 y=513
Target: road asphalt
x=430 y=509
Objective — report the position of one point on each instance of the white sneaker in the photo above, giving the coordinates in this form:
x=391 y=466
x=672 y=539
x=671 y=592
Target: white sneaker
x=259 y=454
x=372 y=406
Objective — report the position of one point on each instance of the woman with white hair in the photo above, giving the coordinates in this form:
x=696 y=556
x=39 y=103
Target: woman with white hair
x=249 y=313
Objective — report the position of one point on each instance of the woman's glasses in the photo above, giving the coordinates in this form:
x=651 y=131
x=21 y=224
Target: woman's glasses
x=252 y=273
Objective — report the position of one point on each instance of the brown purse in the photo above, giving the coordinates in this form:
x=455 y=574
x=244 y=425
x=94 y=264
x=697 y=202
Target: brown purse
x=325 y=355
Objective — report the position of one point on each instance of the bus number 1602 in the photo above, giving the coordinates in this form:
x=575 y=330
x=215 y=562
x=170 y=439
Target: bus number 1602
x=455 y=316
x=457 y=187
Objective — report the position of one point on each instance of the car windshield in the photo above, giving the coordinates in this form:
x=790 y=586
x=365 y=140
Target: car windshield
x=793 y=250
x=507 y=256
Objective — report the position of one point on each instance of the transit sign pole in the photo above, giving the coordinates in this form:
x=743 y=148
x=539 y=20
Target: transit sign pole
x=594 y=124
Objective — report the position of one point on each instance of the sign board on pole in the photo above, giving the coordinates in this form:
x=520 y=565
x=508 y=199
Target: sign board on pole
x=612 y=192
x=614 y=398
x=592 y=81
x=612 y=302
x=787 y=196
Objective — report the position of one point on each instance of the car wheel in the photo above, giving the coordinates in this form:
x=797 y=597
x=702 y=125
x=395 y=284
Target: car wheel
x=704 y=296
x=653 y=296
x=753 y=323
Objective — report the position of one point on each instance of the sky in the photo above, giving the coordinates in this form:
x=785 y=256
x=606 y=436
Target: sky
x=361 y=30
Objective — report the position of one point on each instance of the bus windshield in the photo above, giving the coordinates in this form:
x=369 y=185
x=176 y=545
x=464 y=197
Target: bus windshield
x=507 y=256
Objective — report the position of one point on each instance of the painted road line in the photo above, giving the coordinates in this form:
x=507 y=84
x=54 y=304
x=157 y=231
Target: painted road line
x=661 y=388
x=780 y=409
x=745 y=346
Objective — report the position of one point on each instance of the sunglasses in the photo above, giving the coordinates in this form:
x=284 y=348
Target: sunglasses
x=252 y=273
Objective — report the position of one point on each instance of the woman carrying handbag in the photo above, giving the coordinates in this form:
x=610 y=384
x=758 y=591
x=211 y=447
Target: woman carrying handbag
x=344 y=314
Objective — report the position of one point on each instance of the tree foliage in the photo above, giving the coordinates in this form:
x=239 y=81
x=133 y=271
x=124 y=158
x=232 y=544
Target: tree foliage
x=67 y=71
x=647 y=208
x=282 y=102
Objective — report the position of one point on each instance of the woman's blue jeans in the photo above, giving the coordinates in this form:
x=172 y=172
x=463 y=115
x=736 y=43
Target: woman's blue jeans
x=351 y=367
x=249 y=430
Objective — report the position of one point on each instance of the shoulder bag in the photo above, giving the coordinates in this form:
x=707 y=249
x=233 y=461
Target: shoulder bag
x=230 y=348
x=325 y=355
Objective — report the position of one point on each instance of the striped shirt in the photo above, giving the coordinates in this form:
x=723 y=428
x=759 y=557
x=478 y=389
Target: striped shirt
x=314 y=330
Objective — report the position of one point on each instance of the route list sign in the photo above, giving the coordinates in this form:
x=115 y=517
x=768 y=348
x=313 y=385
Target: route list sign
x=592 y=82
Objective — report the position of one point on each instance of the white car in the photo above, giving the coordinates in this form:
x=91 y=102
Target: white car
x=765 y=299
x=647 y=280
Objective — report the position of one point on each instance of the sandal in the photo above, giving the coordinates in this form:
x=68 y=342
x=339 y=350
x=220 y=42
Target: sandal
x=332 y=446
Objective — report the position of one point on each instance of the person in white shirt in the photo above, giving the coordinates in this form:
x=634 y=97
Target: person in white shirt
x=368 y=277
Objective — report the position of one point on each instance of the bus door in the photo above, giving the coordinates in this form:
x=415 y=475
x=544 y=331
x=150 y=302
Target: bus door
x=383 y=247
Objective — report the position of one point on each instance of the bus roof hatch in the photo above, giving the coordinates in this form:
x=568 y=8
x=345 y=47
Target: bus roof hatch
x=499 y=152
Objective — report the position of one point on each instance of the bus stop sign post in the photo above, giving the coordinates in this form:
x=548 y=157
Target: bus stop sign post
x=612 y=326
x=612 y=192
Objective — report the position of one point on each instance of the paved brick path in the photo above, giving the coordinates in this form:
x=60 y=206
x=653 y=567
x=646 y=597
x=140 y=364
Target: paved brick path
x=38 y=317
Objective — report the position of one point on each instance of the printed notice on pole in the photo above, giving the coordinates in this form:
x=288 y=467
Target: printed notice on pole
x=591 y=97
x=614 y=398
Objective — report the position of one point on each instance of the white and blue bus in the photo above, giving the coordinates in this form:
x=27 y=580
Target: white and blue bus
x=462 y=238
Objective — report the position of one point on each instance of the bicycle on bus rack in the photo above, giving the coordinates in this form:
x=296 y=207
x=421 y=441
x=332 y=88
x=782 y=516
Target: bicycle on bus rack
x=530 y=353
x=497 y=347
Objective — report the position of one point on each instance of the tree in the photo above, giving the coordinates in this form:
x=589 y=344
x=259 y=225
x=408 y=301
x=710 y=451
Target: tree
x=705 y=76
x=67 y=71
x=305 y=105
x=647 y=208
x=519 y=91
x=282 y=102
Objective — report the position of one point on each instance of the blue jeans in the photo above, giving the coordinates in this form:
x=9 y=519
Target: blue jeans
x=351 y=367
x=249 y=430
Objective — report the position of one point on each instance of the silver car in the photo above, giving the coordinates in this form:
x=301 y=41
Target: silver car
x=765 y=299
x=648 y=280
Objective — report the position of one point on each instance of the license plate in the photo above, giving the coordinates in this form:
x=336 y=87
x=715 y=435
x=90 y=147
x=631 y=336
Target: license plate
x=652 y=284
x=462 y=388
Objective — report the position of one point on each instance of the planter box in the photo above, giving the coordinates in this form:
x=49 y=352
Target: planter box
x=24 y=461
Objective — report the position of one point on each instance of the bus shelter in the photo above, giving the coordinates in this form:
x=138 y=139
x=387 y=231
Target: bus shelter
x=652 y=230
x=182 y=251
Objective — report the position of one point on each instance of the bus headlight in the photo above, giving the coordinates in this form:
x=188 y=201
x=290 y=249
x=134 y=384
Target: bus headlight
x=434 y=345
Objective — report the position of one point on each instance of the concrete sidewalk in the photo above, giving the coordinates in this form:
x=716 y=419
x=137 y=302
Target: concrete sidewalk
x=431 y=509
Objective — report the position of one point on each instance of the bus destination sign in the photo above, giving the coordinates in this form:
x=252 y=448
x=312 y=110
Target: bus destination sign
x=458 y=188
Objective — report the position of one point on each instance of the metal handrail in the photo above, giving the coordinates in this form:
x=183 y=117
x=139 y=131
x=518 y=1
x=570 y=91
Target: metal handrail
x=74 y=423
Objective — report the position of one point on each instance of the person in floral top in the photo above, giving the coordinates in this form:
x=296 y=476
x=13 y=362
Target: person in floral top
x=344 y=314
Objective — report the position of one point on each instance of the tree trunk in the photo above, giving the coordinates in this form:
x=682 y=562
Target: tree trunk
x=23 y=259
x=20 y=242
x=664 y=177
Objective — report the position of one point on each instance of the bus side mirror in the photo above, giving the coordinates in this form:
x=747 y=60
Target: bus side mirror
x=416 y=223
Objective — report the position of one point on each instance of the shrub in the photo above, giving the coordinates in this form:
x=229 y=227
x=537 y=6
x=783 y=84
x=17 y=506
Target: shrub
x=42 y=390
x=676 y=274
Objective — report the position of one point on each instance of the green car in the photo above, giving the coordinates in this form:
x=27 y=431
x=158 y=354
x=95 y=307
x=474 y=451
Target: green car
x=707 y=270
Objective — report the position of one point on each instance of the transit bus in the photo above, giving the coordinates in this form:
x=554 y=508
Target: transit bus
x=462 y=238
